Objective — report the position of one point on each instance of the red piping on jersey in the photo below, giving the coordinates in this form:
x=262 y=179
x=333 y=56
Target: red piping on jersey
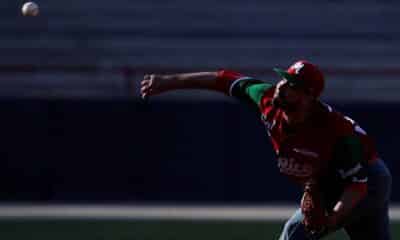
x=225 y=78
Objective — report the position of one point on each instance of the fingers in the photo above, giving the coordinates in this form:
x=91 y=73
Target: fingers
x=146 y=85
x=152 y=84
x=144 y=82
x=145 y=91
x=147 y=79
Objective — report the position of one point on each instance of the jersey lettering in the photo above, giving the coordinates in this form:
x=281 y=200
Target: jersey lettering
x=306 y=152
x=291 y=167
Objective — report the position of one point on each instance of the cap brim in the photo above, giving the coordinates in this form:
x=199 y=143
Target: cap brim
x=283 y=74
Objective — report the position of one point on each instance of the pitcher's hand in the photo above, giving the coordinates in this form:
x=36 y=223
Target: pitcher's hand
x=153 y=84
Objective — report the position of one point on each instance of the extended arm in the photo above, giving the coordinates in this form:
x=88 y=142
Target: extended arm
x=244 y=88
x=154 y=84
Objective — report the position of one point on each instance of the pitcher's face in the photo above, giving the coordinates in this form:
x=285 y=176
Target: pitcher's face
x=289 y=96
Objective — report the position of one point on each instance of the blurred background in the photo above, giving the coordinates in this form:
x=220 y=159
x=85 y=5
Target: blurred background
x=75 y=132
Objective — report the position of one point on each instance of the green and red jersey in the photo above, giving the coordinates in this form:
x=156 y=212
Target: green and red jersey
x=329 y=147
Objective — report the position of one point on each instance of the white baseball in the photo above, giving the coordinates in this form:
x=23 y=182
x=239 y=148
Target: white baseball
x=30 y=9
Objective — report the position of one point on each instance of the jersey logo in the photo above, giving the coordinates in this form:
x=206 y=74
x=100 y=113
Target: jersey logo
x=306 y=152
x=291 y=167
x=297 y=67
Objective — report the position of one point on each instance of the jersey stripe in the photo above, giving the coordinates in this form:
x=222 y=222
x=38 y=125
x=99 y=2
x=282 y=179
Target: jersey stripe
x=350 y=172
x=236 y=82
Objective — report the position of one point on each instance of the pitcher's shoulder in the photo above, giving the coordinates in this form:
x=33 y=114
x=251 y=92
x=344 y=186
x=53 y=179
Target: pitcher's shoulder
x=335 y=121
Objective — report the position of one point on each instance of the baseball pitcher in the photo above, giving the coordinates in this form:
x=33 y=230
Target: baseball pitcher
x=345 y=183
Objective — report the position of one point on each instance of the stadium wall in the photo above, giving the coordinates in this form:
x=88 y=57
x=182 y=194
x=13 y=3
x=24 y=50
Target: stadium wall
x=159 y=151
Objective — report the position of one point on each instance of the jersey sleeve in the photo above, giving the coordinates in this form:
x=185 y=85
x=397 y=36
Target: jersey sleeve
x=245 y=88
x=349 y=159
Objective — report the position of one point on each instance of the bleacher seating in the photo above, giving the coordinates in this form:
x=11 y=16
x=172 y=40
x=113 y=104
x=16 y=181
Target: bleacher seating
x=340 y=36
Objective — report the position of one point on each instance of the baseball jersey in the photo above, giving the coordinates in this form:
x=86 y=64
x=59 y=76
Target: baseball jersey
x=330 y=147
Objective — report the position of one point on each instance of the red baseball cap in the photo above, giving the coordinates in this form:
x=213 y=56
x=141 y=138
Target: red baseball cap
x=305 y=74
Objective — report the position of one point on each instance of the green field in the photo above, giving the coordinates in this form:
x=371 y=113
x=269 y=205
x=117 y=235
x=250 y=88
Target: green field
x=146 y=230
